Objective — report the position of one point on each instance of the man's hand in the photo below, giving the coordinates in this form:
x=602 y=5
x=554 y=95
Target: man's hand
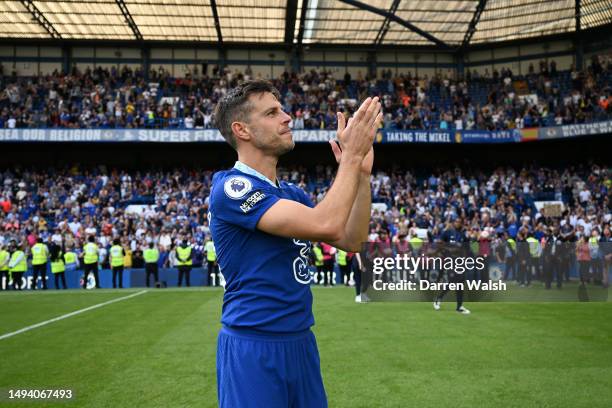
x=364 y=123
x=366 y=164
x=357 y=136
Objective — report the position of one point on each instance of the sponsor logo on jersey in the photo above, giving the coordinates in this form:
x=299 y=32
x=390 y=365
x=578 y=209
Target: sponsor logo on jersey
x=237 y=187
x=251 y=201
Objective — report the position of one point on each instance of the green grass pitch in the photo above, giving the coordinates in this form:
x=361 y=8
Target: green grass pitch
x=158 y=350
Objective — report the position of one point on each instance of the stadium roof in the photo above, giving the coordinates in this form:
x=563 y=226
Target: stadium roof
x=391 y=22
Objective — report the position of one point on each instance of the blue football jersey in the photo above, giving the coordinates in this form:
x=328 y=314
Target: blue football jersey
x=267 y=279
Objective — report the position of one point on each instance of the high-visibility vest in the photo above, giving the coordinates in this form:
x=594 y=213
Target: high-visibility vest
x=91 y=253
x=211 y=252
x=22 y=266
x=341 y=257
x=70 y=258
x=416 y=243
x=475 y=247
x=127 y=259
x=512 y=244
x=151 y=255
x=594 y=247
x=116 y=253
x=58 y=266
x=4 y=257
x=40 y=254
x=183 y=253
x=318 y=256
x=534 y=247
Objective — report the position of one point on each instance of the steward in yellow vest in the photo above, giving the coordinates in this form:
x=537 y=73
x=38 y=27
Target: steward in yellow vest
x=317 y=254
x=71 y=260
x=58 y=267
x=343 y=259
x=184 y=262
x=211 y=253
x=535 y=252
x=512 y=245
x=40 y=256
x=534 y=247
x=5 y=257
x=90 y=261
x=416 y=243
x=211 y=260
x=511 y=258
x=117 y=256
x=594 y=246
x=18 y=265
x=151 y=257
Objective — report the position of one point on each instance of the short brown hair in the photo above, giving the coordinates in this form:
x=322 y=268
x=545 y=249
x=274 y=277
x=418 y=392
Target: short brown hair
x=235 y=106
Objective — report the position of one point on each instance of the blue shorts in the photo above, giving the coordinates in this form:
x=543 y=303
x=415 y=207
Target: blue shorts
x=272 y=371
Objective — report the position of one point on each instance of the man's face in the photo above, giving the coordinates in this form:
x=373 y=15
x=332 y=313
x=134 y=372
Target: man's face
x=269 y=125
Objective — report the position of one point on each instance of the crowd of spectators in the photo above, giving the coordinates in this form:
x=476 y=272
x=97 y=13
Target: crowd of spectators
x=66 y=205
x=493 y=202
x=112 y=98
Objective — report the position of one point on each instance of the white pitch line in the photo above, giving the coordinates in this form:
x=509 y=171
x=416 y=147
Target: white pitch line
x=76 y=312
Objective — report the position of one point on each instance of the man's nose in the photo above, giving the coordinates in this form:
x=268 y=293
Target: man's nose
x=286 y=117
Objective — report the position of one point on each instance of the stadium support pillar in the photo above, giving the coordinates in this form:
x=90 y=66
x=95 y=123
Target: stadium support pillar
x=578 y=43
x=460 y=64
x=371 y=58
x=66 y=59
x=222 y=58
x=146 y=62
x=296 y=57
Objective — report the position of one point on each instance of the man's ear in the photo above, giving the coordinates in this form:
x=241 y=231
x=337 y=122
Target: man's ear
x=241 y=131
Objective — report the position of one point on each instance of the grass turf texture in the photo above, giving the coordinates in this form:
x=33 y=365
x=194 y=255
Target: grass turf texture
x=158 y=350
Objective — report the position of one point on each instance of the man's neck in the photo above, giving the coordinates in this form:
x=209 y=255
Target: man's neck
x=266 y=165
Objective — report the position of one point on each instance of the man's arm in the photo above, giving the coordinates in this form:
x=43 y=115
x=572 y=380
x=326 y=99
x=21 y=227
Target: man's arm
x=356 y=229
x=327 y=220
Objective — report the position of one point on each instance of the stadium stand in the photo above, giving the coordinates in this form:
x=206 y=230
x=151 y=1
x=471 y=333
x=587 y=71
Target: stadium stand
x=112 y=98
x=490 y=68
x=66 y=205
